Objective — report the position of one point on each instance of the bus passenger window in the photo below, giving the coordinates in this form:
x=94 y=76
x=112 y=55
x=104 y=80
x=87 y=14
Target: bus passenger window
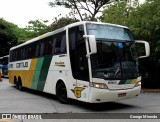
x=53 y=45
x=41 y=48
x=57 y=47
x=19 y=54
x=47 y=46
x=60 y=44
x=46 y=49
x=30 y=52
x=63 y=44
x=37 y=50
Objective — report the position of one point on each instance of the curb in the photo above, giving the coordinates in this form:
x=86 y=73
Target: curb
x=150 y=90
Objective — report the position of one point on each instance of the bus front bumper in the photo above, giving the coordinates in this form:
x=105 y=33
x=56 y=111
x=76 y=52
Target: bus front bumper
x=106 y=95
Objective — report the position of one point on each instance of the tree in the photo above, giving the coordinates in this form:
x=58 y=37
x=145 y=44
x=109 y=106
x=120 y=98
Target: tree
x=8 y=36
x=144 y=21
x=63 y=21
x=37 y=27
x=90 y=6
x=119 y=12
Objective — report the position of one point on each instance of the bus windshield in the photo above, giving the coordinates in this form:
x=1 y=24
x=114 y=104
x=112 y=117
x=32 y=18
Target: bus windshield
x=116 y=56
x=109 y=32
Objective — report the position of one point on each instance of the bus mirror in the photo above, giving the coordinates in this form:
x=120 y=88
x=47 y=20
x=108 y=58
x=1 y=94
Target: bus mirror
x=143 y=49
x=92 y=44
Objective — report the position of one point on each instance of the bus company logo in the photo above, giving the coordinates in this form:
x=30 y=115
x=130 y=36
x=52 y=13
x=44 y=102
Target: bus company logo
x=10 y=65
x=22 y=65
x=112 y=82
x=77 y=91
x=60 y=64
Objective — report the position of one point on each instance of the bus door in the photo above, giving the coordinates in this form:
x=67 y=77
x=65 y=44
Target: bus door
x=79 y=64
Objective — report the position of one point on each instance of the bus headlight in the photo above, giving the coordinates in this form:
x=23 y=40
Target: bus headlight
x=138 y=84
x=98 y=85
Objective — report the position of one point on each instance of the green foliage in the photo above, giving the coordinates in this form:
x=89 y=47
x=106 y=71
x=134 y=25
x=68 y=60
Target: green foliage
x=8 y=37
x=144 y=21
x=11 y=35
x=58 y=23
x=119 y=12
x=22 y=35
x=91 y=7
x=37 y=28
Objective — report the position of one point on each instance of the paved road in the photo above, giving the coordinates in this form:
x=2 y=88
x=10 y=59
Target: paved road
x=14 y=101
x=29 y=101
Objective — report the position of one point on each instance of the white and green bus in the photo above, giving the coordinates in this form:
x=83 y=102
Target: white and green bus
x=86 y=61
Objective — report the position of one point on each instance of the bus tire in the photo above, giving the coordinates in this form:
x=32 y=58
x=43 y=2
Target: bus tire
x=16 y=82
x=17 y=86
x=20 y=87
x=61 y=93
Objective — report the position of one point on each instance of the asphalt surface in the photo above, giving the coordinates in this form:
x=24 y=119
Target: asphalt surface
x=30 y=101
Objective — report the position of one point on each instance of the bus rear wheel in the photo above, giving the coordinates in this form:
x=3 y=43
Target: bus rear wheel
x=19 y=84
x=61 y=93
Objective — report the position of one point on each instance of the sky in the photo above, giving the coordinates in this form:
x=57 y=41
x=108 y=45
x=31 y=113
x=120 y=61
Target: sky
x=20 y=12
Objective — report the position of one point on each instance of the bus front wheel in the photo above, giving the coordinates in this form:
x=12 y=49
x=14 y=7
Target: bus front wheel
x=61 y=93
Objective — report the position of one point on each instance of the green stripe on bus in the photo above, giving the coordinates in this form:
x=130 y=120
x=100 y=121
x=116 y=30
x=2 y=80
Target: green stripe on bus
x=44 y=72
x=37 y=73
x=128 y=82
x=125 y=82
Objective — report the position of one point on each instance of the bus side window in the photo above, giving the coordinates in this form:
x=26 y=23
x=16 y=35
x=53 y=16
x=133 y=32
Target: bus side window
x=15 y=55
x=19 y=54
x=53 y=42
x=10 y=56
x=47 y=46
x=60 y=44
x=31 y=51
x=27 y=53
x=63 y=44
x=57 y=44
x=50 y=47
x=22 y=53
x=37 y=50
x=41 y=48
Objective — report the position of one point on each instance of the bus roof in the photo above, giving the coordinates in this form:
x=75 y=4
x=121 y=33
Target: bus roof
x=63 y=28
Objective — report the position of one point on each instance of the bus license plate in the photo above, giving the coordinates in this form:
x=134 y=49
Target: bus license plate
x=121 y=94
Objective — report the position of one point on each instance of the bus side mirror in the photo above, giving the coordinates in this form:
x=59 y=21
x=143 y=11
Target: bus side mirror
x=92 y=47
x=147 y=48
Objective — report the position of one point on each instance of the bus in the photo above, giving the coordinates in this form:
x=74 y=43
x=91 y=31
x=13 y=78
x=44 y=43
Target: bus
x=4 y=66
x=87 y=61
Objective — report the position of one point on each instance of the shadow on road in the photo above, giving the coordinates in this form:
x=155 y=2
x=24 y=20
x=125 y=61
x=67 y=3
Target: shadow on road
x=100 y=107
x=94 y=107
